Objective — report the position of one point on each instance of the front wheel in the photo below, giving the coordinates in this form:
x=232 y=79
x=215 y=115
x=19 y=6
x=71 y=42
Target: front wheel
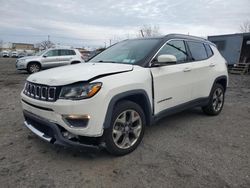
x=216 y=101
x=126 y=130
x=33 y=67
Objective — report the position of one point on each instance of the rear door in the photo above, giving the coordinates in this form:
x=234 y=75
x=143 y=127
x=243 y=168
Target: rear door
x=172 y=83
x=66 y=56
x=203 y=67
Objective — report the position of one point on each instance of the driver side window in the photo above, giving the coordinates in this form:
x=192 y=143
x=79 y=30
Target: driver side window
x=176 y=48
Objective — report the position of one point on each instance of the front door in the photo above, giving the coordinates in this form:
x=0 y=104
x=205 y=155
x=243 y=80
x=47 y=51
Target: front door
x=172 y=83
x=50 y=59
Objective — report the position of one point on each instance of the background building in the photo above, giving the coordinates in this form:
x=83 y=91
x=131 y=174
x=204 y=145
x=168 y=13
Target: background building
x=235 y=48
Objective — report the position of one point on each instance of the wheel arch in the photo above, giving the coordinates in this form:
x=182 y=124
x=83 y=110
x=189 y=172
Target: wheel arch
x=75 y=62
x=221 y=80
x=139 y=97
x=34 y=62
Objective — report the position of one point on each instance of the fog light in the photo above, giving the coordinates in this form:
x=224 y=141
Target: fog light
x=76 y=121
x=68 y=135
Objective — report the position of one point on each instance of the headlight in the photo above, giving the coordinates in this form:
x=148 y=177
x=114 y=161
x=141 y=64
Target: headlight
x=80 y=91
x=19 y=61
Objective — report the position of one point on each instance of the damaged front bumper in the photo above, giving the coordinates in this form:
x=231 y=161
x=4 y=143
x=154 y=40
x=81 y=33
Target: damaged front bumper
x=52 y=133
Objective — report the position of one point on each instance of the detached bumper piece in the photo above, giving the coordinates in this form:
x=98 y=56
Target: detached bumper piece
x=53 y=133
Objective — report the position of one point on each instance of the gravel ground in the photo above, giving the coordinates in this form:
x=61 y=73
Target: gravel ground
x=188 y=149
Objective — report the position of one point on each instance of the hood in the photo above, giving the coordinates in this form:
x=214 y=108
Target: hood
x=78 y=72
x=28 y=57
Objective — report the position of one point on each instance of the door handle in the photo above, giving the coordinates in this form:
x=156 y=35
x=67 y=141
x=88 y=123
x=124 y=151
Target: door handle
x=187 y=70
x=212 y=65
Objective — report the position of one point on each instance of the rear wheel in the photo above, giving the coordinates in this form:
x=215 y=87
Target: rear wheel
x=216 y=101
x=33 y=67
x=126 y=130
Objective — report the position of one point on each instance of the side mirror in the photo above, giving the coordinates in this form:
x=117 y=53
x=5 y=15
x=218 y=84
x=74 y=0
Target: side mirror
x=44 y=56
x=166 y=59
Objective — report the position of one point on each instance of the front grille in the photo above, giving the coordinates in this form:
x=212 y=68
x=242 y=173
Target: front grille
x=41 y=92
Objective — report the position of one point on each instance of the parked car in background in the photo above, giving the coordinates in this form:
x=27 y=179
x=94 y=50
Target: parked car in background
x=107 y=102
x=5 y=54
x=21 y=54
x=48 y=59
x=14 y=54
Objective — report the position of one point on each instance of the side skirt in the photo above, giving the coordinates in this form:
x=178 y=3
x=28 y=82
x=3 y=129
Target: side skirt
x=181 y=107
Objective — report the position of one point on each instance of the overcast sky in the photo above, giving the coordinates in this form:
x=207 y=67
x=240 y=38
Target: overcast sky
x=94 y=22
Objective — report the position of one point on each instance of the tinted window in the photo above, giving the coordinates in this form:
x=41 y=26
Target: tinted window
x=67 y=52
x=209 y=50
x=176 y=48
x=72 y=52
x=52 y=53
x=197 y=50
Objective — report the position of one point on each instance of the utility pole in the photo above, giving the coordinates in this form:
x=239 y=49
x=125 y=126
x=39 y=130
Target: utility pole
x=142 y=33
x=48 y=37
x=109 y=42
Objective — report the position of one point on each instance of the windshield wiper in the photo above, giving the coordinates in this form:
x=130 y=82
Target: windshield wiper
x=101 y=61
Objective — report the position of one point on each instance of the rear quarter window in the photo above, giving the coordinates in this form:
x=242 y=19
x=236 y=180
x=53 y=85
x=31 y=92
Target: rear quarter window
x=197 y=50
x=67 y=52
x=72 y=52
x=209 y=50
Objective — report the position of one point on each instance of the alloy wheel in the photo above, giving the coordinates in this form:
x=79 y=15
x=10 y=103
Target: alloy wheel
x=127 y=129
x=218 y=98
x=34 y=68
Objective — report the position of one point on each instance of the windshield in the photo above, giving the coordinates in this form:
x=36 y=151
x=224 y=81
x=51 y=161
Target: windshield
x=40 y=53
x=128 y=52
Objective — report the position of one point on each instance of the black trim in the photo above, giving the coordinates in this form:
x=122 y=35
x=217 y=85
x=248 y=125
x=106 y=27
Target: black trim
x=205 y=44
x=53 y=130
x=39 y=107
x=153 y=92
x=224 y=77
x=123 y=95
x=182 y=107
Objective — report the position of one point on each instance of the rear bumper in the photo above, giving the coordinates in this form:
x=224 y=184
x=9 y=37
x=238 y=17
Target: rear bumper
x=51 y=132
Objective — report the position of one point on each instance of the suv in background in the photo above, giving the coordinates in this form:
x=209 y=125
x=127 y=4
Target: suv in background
x=14 y=54
x=5 y=54
x=48 y=59
x=107 y=102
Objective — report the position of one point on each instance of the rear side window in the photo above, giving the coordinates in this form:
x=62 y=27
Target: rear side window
x=197 y=50
x=209 y=50
x=72 y=52
x=67 y=52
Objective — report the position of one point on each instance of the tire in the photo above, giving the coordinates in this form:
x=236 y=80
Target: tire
x=216 y=101
x=126 y=130
x=33 y=67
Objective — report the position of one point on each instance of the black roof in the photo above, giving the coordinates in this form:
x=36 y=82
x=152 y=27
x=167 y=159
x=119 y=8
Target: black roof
x=180 y=36
x=188 y=37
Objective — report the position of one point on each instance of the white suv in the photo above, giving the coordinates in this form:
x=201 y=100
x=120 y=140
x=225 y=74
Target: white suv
x=108 y=101
x=48 y=59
